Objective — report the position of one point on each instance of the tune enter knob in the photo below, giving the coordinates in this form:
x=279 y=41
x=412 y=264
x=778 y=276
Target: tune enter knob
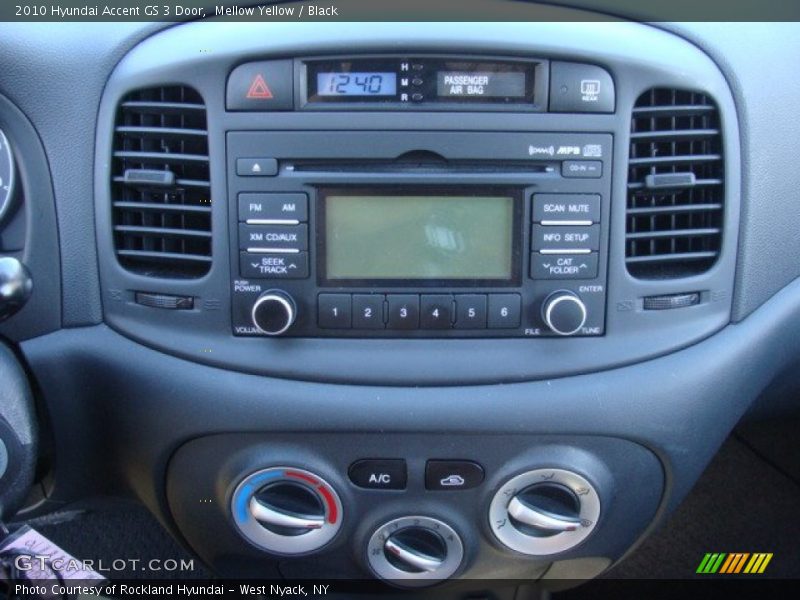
x=274 y=312
x=564 y=312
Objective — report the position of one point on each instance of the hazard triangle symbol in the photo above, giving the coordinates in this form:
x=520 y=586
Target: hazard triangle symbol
x=259 y=89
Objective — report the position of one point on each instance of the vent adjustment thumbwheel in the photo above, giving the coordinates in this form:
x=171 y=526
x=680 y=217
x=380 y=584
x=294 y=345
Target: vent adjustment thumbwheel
x=415 y=551
x=286 y=511
x=544 y=511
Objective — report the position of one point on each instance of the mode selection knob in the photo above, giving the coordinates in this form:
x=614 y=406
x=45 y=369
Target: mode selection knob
x=564 y=312
x=544 y=511
x=274 y=312
x=415 y=551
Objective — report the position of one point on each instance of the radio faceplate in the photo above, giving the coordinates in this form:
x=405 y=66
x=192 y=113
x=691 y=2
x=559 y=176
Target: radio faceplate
x=419 y=234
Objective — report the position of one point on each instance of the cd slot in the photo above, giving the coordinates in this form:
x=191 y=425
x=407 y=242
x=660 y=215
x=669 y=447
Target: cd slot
x=420 y=167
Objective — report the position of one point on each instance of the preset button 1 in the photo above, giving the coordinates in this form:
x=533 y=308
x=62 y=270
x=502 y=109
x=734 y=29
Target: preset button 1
x=334 y=311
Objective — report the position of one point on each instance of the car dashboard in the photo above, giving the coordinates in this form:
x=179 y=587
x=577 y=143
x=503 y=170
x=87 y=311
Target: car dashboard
x=406 y=301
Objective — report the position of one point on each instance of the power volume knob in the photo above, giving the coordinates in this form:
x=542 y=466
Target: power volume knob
x=564 y=312
x=273 y=312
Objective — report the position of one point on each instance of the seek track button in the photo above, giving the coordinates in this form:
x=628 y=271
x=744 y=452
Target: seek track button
x=273 y=266
x=379 y=474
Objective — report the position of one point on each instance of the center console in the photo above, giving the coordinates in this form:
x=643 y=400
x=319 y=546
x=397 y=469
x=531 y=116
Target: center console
x=416 y=269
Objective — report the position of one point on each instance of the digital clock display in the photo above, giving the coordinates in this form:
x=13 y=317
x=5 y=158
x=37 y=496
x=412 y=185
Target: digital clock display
x=356 y=84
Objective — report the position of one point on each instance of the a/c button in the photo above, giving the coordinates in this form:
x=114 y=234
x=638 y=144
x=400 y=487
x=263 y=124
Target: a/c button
x=379 y=473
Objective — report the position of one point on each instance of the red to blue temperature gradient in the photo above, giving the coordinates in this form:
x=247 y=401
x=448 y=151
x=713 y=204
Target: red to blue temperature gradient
x=356 y=84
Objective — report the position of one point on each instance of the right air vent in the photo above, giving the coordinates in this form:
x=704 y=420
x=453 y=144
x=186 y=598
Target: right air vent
x=675 y=185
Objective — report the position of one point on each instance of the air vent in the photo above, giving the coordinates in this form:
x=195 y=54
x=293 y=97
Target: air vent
x=675 y=185
x=160 y=183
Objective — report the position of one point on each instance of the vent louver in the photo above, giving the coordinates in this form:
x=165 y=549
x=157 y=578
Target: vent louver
x=675 y=185
x=160 y=183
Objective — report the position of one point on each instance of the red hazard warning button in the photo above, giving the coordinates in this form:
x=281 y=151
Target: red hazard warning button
x=259 y=88
x=265 y=85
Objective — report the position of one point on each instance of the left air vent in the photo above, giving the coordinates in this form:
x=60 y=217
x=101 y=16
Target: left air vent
x=160 y=183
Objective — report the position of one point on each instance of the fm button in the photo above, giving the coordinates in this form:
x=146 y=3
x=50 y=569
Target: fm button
x=379 y=473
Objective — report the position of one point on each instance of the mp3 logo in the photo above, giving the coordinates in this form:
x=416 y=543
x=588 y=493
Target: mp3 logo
x=569 y=151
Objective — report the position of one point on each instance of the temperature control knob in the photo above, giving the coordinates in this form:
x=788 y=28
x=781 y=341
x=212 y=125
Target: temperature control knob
x=415 y=551
x=564 y=312
x=287 y=511
x=274 y=312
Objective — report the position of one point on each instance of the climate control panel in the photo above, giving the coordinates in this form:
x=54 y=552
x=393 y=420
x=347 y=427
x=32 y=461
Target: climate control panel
x=412 y=509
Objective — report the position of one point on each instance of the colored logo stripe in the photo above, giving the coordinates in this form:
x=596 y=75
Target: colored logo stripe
x=721 y=562
x=734 y=562
x=711 y=562
x=758 y=563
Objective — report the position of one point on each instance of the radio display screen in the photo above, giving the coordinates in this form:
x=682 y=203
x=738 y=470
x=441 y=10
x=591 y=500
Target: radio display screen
x=418 y=237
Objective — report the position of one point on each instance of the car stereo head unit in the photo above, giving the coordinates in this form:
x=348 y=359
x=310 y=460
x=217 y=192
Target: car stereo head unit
x=418 y=234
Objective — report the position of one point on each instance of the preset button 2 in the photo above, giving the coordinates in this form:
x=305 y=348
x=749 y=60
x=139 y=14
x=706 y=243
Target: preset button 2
x=368 y=311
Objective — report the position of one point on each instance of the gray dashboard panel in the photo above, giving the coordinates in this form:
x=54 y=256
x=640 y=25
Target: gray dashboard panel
x=116 y=436
x=765 y=88
x=204 y=335
x=57 y=81
x=121 y=436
